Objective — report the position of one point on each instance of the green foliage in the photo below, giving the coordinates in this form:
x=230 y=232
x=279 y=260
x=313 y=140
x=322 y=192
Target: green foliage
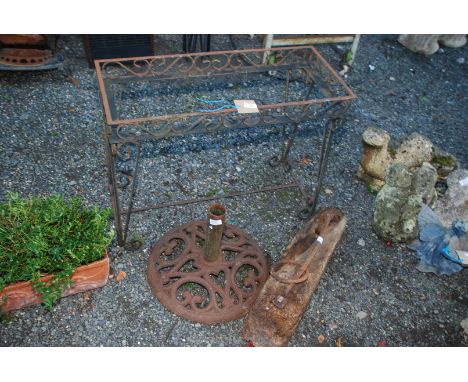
x=217 y=211
x=213 y=191
x=372 y=189
x=347 y=57
x=392 y=152
x=271 y=59
x=49 y=235
x=444 y=161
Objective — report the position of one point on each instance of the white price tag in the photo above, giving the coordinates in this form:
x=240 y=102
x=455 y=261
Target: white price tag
x=216 y=222
x=250 y=105
x=246 y=106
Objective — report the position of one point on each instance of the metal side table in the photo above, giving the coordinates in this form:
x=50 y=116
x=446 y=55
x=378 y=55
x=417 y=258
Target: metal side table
x=135 y=91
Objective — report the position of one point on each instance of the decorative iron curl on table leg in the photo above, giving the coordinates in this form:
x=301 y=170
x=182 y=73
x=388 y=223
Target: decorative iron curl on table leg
x=123 y=165
x=124 y=153
x=274 y=160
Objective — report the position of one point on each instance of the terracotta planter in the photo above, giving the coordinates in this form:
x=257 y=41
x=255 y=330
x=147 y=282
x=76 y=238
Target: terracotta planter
x=86 y=277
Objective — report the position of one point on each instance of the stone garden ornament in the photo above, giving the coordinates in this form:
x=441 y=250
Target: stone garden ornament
x=429 y=43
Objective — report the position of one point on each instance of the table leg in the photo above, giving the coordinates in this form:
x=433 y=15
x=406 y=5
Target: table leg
x=286 y=145
x=134 y=244
x=112 y=185
x=331 y=126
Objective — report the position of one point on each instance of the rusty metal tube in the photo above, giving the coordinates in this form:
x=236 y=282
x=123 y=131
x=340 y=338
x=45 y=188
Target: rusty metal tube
x=214 y=232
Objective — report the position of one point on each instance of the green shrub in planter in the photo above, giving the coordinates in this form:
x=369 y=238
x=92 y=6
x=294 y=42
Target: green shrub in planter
x=49 y=235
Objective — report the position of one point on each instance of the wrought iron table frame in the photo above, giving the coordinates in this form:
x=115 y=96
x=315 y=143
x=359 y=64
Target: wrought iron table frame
x=123 y=136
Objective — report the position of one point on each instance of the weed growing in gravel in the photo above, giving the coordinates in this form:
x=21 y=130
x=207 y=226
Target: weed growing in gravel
x=49 y=235
x=347 y=57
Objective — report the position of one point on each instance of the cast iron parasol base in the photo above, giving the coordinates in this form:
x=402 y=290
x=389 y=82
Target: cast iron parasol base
x=207 y=292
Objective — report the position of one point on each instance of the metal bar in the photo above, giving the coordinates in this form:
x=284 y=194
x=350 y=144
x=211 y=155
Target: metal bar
x=324 y=152
x=302 y=40
x=113 y=188
x=354 y=48
x=102 y=89
x=292 y=137
x=210 y=198
x=132 y=193
x=336 y=75
x=145 y=136
x=267 y=45
x=213 y=53
x=219 y=73
x=111 y=97
x=172 y=117
x=286 y=86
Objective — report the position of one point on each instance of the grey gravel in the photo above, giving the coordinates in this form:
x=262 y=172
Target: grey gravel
x=51 y=142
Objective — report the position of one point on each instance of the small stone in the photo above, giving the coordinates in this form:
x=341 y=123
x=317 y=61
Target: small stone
x=361 y=315
x=120 y=276
x=328 y=191
x=464 y=325
x=361 y=242
x=321 y=339
x=371 y=67
x=376 y=292
x=392 y=78
x=461 y=60
x=72 y=183
x=333 y=326
x=86 y=296
x=436 y=311
x=238 y=169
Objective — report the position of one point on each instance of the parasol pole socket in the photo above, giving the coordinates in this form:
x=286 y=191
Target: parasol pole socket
x=214 y=232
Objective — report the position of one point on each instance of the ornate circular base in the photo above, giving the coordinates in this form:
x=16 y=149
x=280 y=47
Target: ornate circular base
x=24 y=57
x=189 y=286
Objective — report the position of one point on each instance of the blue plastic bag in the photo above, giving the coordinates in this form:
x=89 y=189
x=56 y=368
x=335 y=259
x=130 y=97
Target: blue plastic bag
x=434 y=241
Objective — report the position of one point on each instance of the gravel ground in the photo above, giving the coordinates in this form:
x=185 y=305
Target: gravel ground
x=51 y=142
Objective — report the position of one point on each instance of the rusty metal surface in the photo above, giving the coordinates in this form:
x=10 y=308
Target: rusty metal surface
x=198 y=290
x=25 y=57
x=286 y=294
x=309 y=39
x=211 y=64
x=23 y=39
x=320 y=94
x=211 y=198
